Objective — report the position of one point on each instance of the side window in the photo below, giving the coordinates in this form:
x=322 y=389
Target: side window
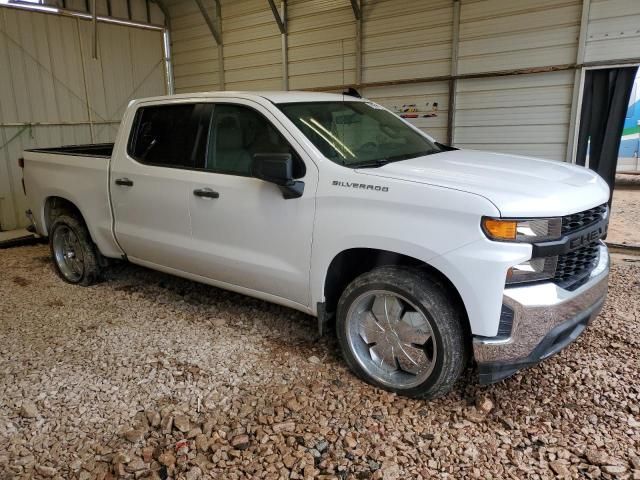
x=236 y=134
x=171 y=135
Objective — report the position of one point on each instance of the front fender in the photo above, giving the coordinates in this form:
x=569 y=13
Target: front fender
x=479 y=271
x=428 y=223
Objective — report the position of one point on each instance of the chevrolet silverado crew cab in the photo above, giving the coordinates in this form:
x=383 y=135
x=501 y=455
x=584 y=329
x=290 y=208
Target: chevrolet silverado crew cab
x=425 y=255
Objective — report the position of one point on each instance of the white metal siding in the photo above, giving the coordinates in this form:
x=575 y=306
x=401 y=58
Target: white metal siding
x=48 y=76
x=252 y=46
x=523 y=114
x=613 y=32
x=406 y=39
x=118 y=9
x=130 y=65
x=194 y=51
x=497 y=35
x=321 y=43
x=423 y=95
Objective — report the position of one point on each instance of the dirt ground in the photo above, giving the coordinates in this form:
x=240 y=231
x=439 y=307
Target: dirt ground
x=624 y=226
x=150 y=376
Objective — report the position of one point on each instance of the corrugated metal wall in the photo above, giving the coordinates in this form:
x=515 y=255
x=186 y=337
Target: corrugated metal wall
x=252 y=46
x=497 y=35
x=135 y=10
x=614 y=30
x=52 y=92
x=193 y=49
x=404 y=40
x=408 y=41
x=321 y=43
x=521 y=114
x=401 y=39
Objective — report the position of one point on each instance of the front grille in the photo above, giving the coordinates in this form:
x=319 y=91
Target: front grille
x=575 y=266
x=576 y=221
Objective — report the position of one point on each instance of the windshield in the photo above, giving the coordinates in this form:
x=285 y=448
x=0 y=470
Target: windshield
x=357 y=134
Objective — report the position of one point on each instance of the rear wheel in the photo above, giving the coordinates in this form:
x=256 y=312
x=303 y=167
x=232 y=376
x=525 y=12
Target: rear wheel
x=399 y=330
x=74 y=253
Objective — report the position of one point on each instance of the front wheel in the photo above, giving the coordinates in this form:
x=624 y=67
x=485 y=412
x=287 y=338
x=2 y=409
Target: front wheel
x=74 y=254
x=399 y=330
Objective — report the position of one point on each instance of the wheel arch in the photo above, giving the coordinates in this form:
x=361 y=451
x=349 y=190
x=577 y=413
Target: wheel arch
x=54 y=206
x=95 y=215
x=352 y=262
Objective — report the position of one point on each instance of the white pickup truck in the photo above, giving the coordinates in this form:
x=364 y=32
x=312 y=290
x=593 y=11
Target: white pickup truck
x=426 y=256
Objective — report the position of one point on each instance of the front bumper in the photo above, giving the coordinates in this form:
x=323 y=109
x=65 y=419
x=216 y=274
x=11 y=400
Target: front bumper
x=546 y=318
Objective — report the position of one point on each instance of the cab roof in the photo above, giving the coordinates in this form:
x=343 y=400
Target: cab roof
x=272 y=96
x=296 y=96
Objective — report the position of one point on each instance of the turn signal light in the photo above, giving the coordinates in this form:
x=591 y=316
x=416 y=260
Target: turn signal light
x=500 y=229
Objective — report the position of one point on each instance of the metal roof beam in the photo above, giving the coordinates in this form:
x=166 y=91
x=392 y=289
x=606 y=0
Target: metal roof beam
x=209 y=21
x=165 y=11
x=279 y=20
x=356 y=9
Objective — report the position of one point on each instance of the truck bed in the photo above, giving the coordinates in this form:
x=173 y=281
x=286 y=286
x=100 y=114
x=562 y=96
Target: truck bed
x=80 y=175
x=103 y=150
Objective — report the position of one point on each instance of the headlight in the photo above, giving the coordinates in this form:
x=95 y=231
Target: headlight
x=526 y=230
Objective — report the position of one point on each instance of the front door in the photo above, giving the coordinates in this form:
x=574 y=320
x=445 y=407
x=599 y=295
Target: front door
x=245 y=232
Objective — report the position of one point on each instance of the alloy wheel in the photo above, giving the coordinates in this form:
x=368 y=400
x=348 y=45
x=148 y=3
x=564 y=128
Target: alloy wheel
x=68 y=253
x=392 y=339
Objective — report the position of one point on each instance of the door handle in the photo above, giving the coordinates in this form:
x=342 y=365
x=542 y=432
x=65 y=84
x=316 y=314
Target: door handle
x=206 y=193
x=125 y=182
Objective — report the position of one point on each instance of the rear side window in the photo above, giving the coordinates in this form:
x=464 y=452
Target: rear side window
x=171 y=135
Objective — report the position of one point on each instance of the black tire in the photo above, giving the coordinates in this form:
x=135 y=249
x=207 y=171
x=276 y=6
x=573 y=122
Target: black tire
x=90 y=272
x=435 y=303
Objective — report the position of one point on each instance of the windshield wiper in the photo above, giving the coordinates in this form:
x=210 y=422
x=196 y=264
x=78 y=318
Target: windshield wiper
x=383 y=161
x=446 y=148
x=370 y=163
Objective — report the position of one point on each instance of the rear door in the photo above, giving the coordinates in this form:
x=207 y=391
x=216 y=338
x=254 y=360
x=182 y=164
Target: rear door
x=246 y=234
x=151 y=180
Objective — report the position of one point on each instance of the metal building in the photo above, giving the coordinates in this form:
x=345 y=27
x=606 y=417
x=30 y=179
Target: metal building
x=485 y=74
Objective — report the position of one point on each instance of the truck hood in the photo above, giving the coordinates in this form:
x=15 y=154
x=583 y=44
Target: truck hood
x=518 y=186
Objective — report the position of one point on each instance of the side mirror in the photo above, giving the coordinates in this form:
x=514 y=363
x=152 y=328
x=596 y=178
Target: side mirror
x=277 y=168
x=273 y=168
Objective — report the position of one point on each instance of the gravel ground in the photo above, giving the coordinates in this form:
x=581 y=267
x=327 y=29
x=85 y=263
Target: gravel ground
x=624 y=226
x=147 y=375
